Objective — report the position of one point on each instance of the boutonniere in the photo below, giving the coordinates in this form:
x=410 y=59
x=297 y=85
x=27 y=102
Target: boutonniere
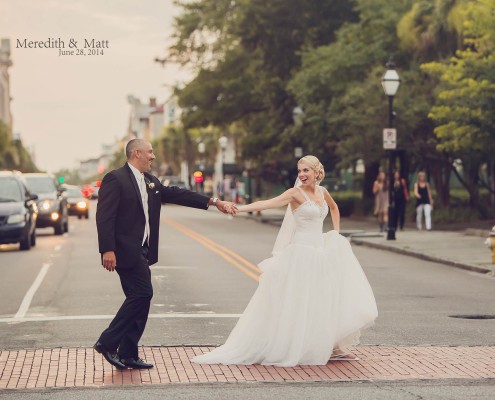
x=151 y=185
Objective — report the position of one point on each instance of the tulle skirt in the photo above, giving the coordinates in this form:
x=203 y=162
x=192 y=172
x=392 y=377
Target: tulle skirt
x=311 y=298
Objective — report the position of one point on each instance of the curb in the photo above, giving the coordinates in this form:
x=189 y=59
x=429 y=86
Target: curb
x=277 y=220
x=412 y=253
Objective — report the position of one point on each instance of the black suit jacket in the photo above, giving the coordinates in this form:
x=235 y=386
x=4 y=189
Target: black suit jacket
x=120 y=217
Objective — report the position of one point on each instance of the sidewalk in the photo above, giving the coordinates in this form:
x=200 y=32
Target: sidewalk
x=462 y=248
x=83 y=367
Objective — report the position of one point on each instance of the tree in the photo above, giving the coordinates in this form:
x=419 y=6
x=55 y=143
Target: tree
x=338 y=88
x=432 y=29
x=466 y=98
x=245 y=53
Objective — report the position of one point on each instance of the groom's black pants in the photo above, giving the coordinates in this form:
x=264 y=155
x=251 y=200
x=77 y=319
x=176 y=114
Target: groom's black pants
x=125 y=330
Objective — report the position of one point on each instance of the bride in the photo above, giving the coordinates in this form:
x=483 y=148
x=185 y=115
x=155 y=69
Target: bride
x=313 y=298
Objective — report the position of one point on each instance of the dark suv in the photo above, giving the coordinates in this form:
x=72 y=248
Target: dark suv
x=18 y=211
x=52 y=203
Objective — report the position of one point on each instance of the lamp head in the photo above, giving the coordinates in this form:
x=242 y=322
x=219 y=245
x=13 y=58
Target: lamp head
x=390 y=80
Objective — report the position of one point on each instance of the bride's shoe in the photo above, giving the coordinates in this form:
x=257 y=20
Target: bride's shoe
x=343 y=357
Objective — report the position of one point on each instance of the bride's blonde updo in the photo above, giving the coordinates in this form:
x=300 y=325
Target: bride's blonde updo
x=315 y=165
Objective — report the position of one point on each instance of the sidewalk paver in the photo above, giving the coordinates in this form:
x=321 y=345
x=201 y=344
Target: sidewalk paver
x=83 y=367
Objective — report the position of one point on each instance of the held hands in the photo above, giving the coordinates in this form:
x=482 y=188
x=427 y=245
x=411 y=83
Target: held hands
x=109 y=261
x=227 y=207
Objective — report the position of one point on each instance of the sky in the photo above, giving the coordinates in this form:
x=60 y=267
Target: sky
x=66 y=107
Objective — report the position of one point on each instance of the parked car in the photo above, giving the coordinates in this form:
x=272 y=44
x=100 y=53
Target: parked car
x=52 y=202
x=77 y=204
x=18 y=211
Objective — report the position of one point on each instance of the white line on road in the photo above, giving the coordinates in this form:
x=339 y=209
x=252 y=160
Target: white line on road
x=26 y=302
x=97 y=317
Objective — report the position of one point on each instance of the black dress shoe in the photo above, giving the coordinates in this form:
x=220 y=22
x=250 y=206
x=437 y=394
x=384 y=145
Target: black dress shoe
x=137 y=363
x=109 y=356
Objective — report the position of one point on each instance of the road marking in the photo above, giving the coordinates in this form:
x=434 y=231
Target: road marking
x=98 y=317
x=222 y=251
x=170 y=267
x=26 y=302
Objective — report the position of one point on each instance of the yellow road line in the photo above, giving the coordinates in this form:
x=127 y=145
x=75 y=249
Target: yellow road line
x=222 y=251
x=216 y=245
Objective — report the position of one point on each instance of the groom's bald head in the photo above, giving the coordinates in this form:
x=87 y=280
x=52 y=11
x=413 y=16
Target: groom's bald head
x=133 y=145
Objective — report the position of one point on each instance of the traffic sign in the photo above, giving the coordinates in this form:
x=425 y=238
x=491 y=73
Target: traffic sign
x=390 y=138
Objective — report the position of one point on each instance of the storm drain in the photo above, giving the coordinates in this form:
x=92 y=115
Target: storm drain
x=474 y=316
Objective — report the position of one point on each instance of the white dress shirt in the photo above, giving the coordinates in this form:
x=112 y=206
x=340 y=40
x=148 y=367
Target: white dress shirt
x=144 y=197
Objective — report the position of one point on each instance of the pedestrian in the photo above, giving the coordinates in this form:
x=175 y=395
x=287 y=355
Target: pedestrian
x=313 y=298
x=401 y=197
x=220 y=190
x=424 y=201
x=226 y=187
x=380 y=190
x=127 y=221
x=234 y=189
x=208 y=186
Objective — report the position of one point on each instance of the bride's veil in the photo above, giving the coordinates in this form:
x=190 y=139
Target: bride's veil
x=287 y=229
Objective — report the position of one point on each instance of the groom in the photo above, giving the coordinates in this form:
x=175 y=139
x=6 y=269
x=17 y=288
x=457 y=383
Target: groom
x=127 y=220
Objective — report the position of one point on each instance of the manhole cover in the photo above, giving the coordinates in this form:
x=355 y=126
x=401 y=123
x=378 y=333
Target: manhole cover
x=474 y=316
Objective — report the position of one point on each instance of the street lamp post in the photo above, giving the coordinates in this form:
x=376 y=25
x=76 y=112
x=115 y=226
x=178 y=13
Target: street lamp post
x=390 y=84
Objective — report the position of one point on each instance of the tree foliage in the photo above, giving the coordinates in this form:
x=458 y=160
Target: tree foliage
x=466 y=96
x=255 y=61
x=245 y=54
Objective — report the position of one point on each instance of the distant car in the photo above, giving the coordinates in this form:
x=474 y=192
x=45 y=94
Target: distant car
x=18 y=211
x=94 y=193
x=91 y=190
x=172 y=180
x=52 y=203
x=77 y=204
x=87 y=190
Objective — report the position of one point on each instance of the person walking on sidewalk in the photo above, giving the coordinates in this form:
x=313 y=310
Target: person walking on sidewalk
x=380 y=190
x=401 y=197
x=424 y=201
x=128 y=221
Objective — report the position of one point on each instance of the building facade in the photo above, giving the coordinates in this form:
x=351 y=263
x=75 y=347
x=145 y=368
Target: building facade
x=5 y=63
x=145 y=120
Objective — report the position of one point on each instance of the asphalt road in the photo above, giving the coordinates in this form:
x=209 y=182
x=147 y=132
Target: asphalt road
x=58 y=295
x=435 y=390
x=201 y=286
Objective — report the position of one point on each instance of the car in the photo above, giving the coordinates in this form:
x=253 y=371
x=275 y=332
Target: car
x=87 y=190
x=94 y=192
x=77 y=204
x=172 y=180
x=18 y=211
x=52 y=202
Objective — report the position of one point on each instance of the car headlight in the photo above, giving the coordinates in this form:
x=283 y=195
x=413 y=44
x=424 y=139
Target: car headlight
x=81 y=205
x=45 y=205
x=16 y=219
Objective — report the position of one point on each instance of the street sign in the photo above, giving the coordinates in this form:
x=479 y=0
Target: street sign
x=390 y=138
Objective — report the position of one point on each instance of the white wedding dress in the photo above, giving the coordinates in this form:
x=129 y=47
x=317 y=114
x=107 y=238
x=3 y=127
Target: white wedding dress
x=312 y=296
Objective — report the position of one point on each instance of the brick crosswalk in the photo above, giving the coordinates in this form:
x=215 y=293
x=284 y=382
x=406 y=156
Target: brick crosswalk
x=83 y=367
